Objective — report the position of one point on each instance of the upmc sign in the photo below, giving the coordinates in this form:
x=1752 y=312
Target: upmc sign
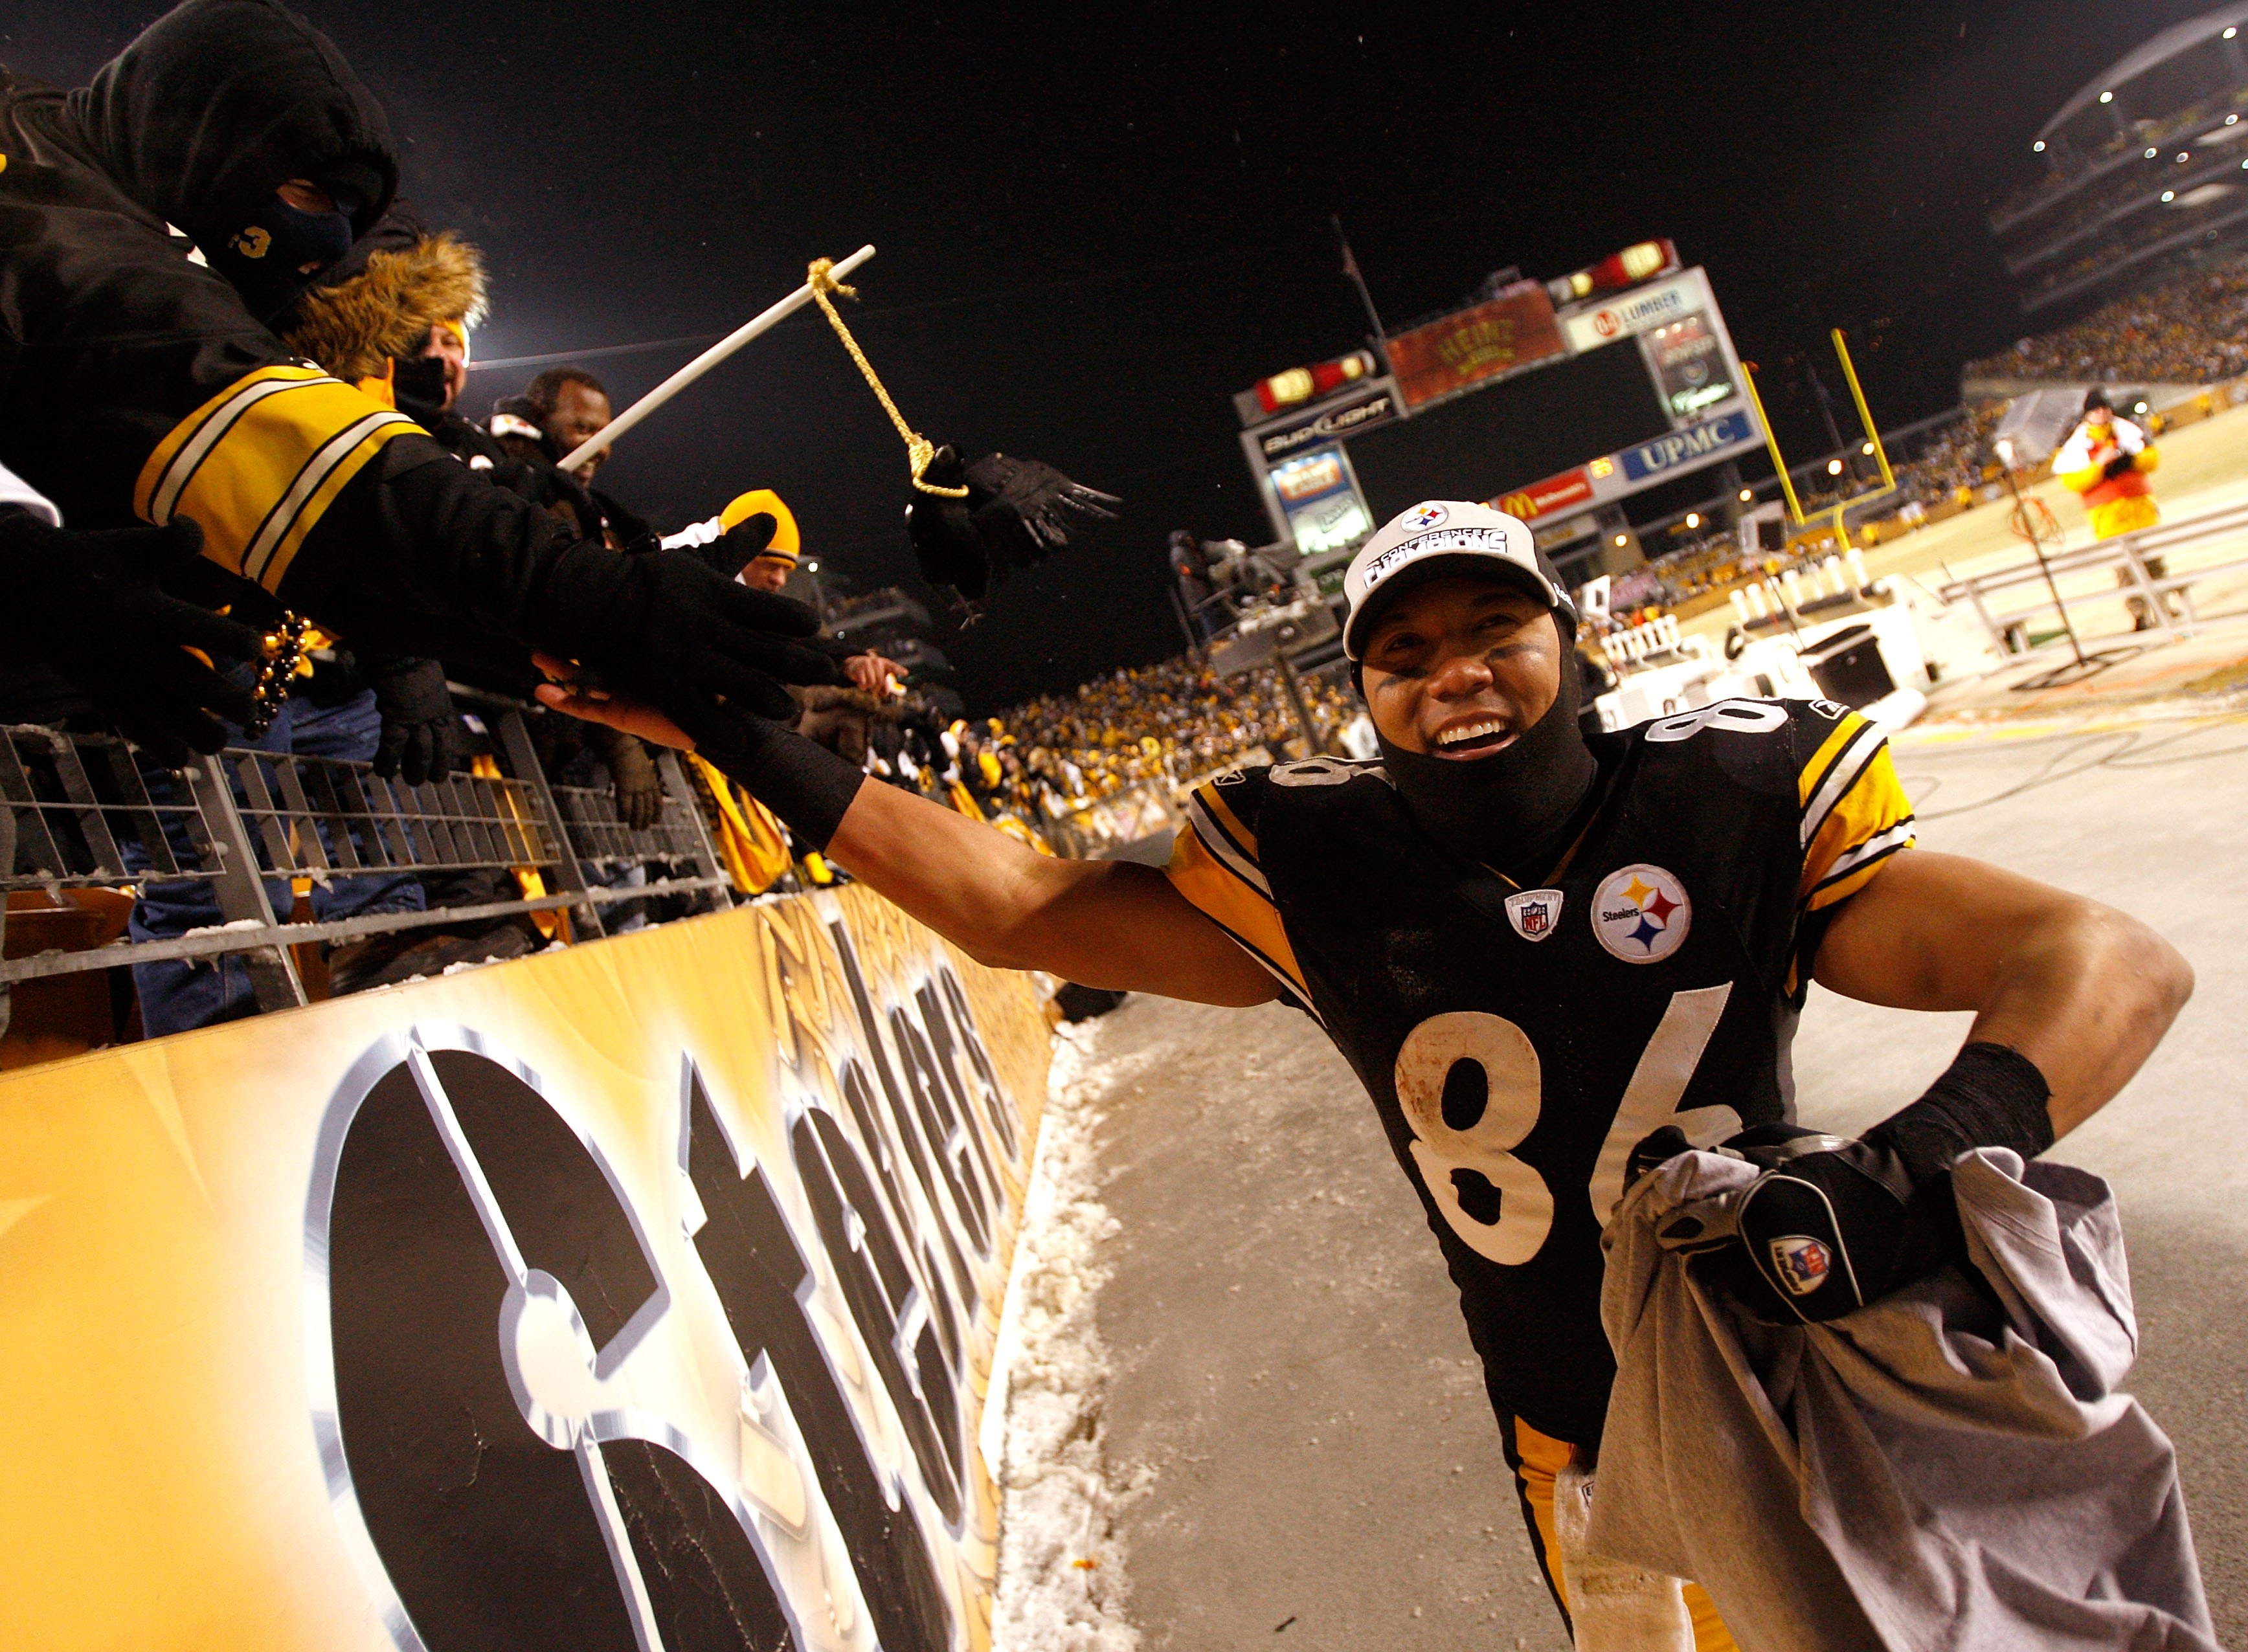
x=1634 y=313
x=1683 y=450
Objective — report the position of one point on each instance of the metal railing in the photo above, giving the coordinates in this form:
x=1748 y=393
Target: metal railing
x=88 y=814
x=2141 y=558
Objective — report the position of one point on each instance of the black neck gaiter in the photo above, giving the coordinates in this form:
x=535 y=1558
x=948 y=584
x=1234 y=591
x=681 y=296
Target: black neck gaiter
x=1511 y=810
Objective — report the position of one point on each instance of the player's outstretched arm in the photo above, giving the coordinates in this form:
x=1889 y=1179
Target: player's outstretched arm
x=2081 y=989
x=1101 y=923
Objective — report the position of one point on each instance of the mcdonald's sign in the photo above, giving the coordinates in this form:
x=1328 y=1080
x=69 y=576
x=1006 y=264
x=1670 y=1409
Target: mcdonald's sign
x=1543 y=498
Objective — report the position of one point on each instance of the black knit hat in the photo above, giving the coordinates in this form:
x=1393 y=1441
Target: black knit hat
x=2097 y=397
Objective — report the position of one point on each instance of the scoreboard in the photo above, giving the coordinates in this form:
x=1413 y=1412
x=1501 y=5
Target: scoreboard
x=1535 y=424
x=1554 y=416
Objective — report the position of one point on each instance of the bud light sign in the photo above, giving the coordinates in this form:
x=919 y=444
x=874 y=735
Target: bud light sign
x=1682 y=449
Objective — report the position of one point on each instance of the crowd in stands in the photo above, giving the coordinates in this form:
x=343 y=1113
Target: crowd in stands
x=1950 y=457
x=1171 y=722
x=2190 y=329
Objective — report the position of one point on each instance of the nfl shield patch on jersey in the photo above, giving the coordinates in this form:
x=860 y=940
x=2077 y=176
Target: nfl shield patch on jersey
x=1801 y=1263
x=1534 y=913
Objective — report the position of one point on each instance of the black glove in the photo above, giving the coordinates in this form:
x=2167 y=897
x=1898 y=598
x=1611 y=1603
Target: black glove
x=702 y=649
x=89 y=605
x=734 y=550
x=637 y=787
x=1017 y=512
x=1831 y=1225
x=1834 y=1223
x=2119 y=465
x=420 y=731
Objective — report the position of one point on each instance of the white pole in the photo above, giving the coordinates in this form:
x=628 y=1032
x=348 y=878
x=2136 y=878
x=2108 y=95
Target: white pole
x=632 y=415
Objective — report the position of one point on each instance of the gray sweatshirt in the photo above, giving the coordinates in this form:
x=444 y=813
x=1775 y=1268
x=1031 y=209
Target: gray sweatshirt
x=1948 y=1468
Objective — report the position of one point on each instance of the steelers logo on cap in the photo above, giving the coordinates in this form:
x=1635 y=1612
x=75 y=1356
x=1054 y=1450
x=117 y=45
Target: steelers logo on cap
x=1641 y=913
x=1424 y=516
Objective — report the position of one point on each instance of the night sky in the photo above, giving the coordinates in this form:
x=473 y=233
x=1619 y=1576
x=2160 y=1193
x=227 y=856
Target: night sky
x=1095 y=225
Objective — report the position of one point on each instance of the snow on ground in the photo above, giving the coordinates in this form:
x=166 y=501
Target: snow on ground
x=1062 y=1582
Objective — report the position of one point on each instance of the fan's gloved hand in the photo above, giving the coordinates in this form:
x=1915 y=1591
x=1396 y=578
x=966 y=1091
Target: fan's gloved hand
x=701 y=648
x=637 y=787
x=1833 y=1224
x=420 y=731
x=738 y=546
x=89 y=603
x=2119 y=465
x=1017 y=512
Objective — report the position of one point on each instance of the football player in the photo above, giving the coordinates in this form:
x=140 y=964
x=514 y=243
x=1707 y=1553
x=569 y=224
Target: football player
x=1554 y=958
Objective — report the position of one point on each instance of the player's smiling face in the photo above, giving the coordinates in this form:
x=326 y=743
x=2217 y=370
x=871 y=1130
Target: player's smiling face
x=1461 y=667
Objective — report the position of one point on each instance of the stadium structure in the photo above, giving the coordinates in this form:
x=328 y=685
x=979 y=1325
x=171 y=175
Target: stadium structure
x=2146 y=167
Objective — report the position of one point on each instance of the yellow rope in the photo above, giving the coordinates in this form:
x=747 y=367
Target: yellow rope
x=919 y=448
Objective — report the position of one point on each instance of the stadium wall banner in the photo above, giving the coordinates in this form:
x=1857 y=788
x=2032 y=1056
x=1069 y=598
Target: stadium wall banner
x=1616 y=476
x=1517 y=329
x=637 y=1295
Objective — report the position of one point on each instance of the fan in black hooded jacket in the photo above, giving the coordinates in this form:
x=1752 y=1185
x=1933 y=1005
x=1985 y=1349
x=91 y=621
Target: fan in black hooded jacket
x=136 y=383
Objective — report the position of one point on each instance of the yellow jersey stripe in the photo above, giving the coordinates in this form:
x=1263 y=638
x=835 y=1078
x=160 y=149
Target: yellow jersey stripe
x=1808 y=780
x=1214 y=890
x=1244 y=838
x=157 y=491
x=1854 y=870
x=257 y=465
x=1864 y=744
x=315 y=486
x=1204 y=824
x=1875 y=805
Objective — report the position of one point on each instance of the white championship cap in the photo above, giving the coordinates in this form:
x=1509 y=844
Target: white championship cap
x=1444 y=530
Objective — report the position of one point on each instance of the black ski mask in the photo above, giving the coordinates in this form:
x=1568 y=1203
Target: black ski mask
x=1514 y=810
x=275 y=256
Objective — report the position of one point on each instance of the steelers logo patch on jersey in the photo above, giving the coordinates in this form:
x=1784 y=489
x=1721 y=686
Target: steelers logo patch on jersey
x=1641 y=913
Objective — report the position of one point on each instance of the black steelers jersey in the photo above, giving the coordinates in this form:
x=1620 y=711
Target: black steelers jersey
x=1518 y=1043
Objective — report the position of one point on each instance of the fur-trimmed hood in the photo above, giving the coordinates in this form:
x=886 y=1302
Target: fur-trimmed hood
x=353 y=327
